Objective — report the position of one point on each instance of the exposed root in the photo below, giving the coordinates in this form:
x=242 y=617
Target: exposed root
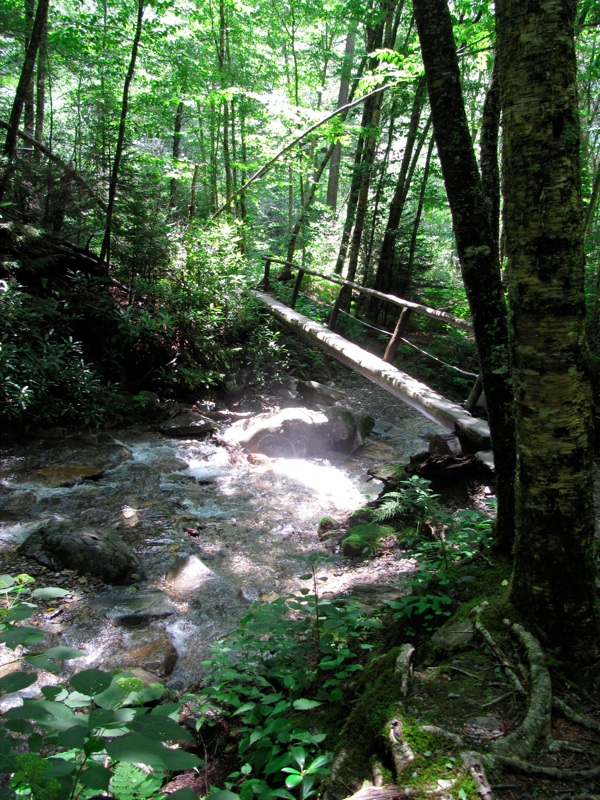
x=495 y=649
x=401 y=753
x=536 y=725
x=589 y=723
x=474 y=764
x=554 y=773
x=404 y=668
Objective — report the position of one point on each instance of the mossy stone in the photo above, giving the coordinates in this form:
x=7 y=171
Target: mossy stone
x=360 y=516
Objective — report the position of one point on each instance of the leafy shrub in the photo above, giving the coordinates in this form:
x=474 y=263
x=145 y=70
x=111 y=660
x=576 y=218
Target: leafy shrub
x=44 y=375
x=75 y=742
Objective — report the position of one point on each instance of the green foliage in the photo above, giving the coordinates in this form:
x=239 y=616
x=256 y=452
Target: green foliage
x=363 y=540
x=44 y=375
x=278 y=678
x=79 y=739
x=439 y=541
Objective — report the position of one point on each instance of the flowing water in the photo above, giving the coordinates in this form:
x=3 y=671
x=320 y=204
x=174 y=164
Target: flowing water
x=246 y=522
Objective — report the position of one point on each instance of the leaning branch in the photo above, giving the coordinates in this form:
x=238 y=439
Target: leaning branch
x=67 y=168
x=266 y=167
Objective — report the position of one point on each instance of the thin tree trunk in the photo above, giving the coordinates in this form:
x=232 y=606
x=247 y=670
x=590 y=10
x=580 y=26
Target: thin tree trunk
x=176 y=151
x=40 y=100
x=475 y=245
x=404 y=288
x=29 y=106
x=488 y=152
x=334 y=164
x=385 y=267
x=553 y=584
x=112 y=189
x=10 y=143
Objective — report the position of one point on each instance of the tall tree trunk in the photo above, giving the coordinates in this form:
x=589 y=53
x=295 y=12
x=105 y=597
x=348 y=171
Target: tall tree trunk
x=404 y=287
x=40 y=99
x=475 y=245
x=334 y=163
x=553 y=580
x=112 y=189
x=29 y=105
x=10 y=143
x=385 y=267
x=176 y=151
x=488 y=152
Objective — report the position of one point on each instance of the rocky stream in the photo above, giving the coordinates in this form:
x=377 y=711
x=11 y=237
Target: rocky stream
x=164 y=535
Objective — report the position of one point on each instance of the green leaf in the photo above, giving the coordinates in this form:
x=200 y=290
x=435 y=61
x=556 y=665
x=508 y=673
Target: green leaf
x=63 y=653
x=304 y=704
x=16 y=681
x=96 y=777
x=243 y=708
x=161 y=729
x=293 y=780
x=19 y=612
x=184 y=794
x=91 y=682
x=21 y=636
x=49 y=592
x=136 y=749
x=223 y=794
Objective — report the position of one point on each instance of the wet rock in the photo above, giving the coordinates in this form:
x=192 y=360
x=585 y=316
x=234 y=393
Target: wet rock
x=188 y=573
x=188 y=425
x=301 y=432
x=156 y=657
x=318 y=393
x=135 y=609
x=93 y=551
x=57 y=475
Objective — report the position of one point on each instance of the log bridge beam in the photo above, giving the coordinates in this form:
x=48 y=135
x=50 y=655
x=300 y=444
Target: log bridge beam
x=414 y=393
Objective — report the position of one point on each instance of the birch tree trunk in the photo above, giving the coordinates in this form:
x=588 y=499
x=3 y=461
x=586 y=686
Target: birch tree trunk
x=553 y=581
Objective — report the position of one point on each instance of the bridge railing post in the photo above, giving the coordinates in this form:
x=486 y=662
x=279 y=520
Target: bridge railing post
x=297 y=285
x=343 y=299
x=267 y=277
x=392 y=348
x=474 y=395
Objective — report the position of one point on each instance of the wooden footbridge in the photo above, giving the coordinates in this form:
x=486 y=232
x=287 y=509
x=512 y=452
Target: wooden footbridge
x=472 y=431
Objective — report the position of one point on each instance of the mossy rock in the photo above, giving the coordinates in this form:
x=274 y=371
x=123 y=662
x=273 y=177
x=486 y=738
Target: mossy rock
x=360 y=516
x=363 y=539
x=327 y=525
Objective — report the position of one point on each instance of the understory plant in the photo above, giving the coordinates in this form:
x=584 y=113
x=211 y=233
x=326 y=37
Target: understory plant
x=95 y=735
x=438 y=540
x=278 y=681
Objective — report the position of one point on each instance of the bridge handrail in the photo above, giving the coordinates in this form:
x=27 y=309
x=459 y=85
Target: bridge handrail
x=417 y=308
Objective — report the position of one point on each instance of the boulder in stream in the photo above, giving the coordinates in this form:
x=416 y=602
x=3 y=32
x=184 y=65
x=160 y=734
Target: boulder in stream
x=302 y=432
x=93 y=551
x=188 y=425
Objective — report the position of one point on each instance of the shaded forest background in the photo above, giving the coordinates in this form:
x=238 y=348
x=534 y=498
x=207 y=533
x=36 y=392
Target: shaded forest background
x=128 y=238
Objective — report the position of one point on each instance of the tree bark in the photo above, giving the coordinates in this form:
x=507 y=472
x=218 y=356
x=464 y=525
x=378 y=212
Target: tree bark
x=475 y=245
x=176 y=151
x=334 y=165
x=488 y=152
x=553 y=583
x=10 y=143
x=386 y=257
x=112 y=190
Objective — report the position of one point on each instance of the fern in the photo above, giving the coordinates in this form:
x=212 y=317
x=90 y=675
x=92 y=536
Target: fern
x=132 y=783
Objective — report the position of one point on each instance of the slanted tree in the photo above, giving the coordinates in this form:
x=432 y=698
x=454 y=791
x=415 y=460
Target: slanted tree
x=553 y=581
